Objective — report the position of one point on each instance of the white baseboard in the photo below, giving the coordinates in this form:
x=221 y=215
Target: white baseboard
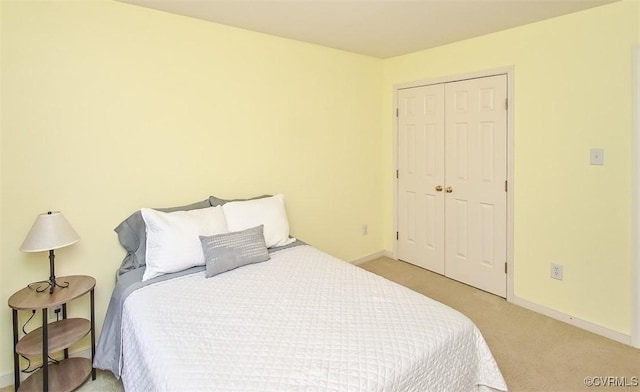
x=554 y=314
x=571 y=320
x=557 y=315
x=372 y=256
x=6 y=379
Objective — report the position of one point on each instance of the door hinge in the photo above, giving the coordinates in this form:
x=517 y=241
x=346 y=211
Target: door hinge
x=397 y=112
x=397 y=235
x=397 y=173
x=505 y=268
x=506 y=104
x=505 y=185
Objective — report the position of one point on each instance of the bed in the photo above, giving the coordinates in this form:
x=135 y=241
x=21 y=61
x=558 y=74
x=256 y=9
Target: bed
x=301 y=320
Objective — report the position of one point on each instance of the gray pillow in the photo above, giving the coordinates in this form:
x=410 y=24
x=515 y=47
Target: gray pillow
x=132 y=235
x=224 y=252
x=216 y=201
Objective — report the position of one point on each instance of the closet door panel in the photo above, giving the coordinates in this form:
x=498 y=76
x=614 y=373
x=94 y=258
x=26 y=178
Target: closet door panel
x=475 y=174
x=420 y=173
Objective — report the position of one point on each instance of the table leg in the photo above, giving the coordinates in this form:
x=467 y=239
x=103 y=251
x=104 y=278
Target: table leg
x=16 y=358
x=64 y=317
x=93 y=335
x=45 y=351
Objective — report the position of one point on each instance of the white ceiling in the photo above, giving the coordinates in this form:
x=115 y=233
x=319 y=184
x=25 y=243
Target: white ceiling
x=375 y=28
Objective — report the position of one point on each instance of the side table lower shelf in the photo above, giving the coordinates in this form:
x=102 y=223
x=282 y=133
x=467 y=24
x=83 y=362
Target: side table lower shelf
x=64 y=376
x=61 y=334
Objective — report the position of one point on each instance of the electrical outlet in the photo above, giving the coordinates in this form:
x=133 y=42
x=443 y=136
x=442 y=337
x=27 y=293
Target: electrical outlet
x=365 y=229
x=556 y=271
x=596 y=156
x=55 y=313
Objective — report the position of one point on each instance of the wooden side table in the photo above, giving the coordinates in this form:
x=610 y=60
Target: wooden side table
x=53 y=337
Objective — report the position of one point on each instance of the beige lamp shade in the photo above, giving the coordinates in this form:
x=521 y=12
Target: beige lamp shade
x=50 y=231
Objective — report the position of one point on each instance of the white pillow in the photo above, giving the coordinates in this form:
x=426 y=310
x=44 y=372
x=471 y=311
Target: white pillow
x=268 y=211
x=173 y=238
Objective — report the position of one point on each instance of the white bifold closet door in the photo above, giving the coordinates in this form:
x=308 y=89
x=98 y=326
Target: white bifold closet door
x=452 y=171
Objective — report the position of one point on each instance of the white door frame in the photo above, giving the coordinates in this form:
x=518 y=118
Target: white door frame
x=509 y=71
x=635 y=205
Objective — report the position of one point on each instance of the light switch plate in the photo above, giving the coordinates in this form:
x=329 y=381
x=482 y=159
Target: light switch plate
x=596 y=156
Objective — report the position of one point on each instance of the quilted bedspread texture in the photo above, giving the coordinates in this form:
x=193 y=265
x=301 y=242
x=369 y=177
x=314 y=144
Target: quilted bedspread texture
x=302 y=321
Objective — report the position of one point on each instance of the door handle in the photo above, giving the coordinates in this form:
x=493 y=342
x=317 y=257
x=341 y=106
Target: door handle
x=439 y=188
x=448 y=189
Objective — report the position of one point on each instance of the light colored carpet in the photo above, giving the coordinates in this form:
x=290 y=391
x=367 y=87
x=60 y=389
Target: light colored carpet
x=534 y=352
x=104 y=382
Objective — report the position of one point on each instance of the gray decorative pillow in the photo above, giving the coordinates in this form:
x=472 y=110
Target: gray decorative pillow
x=224 y=252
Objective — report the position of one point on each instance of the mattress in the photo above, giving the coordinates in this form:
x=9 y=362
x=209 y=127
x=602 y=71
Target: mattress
x=302 y=321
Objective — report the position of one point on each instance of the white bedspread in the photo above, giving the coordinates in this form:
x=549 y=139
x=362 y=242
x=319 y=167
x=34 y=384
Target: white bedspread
x=303 y=321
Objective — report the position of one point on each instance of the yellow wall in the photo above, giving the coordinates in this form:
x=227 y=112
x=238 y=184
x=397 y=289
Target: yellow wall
x=573 y=92
x=108 y=107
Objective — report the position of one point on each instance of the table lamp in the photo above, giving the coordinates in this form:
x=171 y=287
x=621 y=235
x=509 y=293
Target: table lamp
x=50 y=231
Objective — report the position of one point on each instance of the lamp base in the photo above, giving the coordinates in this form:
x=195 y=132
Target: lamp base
x=50 y=284
x=43 y=285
